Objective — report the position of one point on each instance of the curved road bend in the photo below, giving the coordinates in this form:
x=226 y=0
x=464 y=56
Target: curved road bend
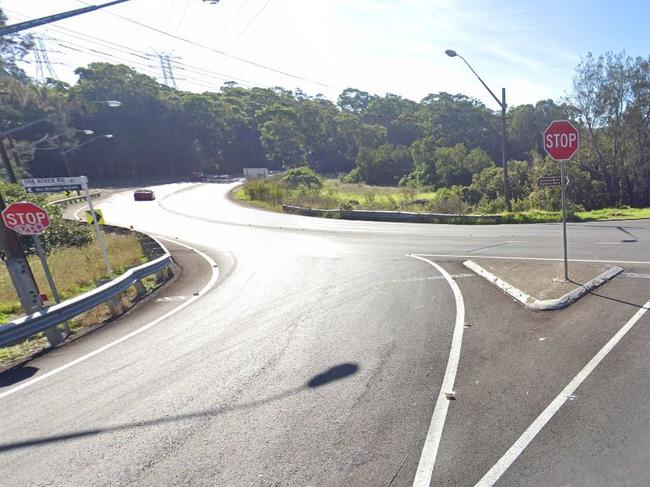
x=319 y=356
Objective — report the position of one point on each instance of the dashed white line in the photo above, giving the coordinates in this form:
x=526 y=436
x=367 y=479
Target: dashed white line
x=432 y=442
x=83 y=358
x=567 y=393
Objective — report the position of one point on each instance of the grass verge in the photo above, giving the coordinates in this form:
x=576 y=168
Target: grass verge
x=335 y=194
x=75 y=271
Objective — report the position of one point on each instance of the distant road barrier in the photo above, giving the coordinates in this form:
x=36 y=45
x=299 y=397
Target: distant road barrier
x=109 y=293
x=74 y=199
x=393 y=216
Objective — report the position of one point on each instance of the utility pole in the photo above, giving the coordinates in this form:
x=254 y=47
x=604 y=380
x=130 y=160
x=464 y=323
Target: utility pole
x=22 y=277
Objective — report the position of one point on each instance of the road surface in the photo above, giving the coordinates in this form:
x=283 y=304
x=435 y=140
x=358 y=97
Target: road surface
x=316 y=353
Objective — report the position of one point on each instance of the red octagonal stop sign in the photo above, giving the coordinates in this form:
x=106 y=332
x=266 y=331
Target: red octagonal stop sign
x=25 y=218
x=561 y=140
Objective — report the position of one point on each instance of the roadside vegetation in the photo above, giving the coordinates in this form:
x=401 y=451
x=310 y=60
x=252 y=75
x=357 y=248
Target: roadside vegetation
x=304 y=188
x=75 y=270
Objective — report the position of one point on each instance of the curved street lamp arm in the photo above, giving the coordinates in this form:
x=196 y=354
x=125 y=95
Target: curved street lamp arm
x=482 y=82
x=83 y=143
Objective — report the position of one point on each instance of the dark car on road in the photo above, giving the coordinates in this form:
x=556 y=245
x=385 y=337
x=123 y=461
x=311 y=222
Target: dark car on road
x=144 y=195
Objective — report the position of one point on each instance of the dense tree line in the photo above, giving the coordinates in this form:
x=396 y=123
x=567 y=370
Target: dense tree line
x=443 y=141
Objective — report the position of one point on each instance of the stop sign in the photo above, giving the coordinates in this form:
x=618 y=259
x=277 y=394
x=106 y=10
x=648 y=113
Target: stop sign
x=561 y=140
x=25 y=218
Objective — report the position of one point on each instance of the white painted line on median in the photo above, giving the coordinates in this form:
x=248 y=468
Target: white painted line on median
x=549 y=259
x=524 y=440
x=432 y=442
x=207 y=287
x=76 y=213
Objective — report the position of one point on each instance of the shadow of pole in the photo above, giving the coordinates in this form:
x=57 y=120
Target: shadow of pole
x=332 y=374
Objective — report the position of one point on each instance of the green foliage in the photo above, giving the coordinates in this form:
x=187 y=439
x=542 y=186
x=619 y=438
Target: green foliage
x=267 y=190
x=302 y=176
x=386 y=165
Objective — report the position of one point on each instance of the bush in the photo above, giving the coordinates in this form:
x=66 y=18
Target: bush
x=264 y=190
x=302 y=176
x=447 y=203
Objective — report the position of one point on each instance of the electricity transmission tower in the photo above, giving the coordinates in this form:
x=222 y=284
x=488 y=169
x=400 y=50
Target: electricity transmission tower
x=44 y=69
x=167 y=69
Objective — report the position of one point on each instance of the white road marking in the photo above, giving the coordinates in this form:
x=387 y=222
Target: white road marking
x=567 y=393
x=432 y=442
x=550 y=259
x=83 y=358
x=636 y=275
x=76 y=213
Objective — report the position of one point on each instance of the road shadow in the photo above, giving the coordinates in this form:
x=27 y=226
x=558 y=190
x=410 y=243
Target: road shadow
x=333 y=374
x=609 y=298
x=16 y=374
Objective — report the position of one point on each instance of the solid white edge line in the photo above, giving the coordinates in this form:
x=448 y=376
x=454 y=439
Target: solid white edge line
x=524 y=440
x=475 y=256
x=207 y=287
x=430 y=449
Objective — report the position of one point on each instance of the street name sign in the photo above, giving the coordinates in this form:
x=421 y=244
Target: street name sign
x=25 y=218
x=54 y=185
x=561 y=140
x=550 y=181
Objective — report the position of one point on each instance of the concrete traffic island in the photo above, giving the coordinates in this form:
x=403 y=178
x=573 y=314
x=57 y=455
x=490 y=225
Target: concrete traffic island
x=540 y=284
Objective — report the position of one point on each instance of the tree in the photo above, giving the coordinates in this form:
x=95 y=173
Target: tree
x=456 y=165
x=13 y=48
x=385 y=165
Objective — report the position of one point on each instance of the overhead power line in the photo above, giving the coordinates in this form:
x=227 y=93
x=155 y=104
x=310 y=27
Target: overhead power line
x=255 y=17
x=81 y=44
x=217 y=51
x=229 y=21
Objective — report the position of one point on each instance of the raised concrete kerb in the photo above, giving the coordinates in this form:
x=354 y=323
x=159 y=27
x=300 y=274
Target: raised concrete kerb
x=546 y=304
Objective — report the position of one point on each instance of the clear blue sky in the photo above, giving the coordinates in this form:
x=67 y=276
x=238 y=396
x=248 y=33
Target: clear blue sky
x=397 y=46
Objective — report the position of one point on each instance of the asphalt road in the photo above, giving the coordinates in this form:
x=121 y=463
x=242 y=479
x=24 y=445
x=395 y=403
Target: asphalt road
x=319 y=355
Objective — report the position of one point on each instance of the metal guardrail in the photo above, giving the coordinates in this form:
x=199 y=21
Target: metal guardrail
x=74 y=199
x=392 y=216
x=29 y=325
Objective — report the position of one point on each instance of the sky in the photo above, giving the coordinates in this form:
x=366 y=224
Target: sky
x=530 y=47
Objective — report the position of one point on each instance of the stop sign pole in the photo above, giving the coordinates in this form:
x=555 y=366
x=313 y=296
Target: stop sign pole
x=18 y=266
x=561 y=142
x=21 y=275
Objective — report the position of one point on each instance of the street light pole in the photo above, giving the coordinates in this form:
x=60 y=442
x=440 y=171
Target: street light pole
x=504 y=134
x=504 y=148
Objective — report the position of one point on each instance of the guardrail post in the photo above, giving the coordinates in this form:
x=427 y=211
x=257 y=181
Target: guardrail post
x=139 y=287
x=115 y=306
x=163 y=275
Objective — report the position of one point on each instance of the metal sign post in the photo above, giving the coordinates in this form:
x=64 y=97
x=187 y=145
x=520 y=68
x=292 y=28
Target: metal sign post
x=563 y=176
x=98 y=231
